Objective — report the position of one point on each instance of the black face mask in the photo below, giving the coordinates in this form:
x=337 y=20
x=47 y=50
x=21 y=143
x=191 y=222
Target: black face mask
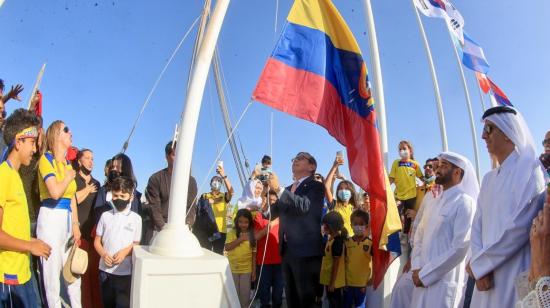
x=113 y=174
x=120 y=204
x=85 y=170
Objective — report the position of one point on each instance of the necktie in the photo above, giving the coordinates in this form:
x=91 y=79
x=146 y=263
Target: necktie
x=294 y=186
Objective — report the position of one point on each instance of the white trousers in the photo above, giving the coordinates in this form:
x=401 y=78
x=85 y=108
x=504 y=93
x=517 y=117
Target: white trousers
x=54 y=229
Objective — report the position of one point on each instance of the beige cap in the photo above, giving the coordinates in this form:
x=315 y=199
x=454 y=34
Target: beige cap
x=76 y=264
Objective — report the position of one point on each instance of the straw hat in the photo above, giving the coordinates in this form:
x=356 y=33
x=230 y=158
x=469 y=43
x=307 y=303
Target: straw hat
x=76 y=264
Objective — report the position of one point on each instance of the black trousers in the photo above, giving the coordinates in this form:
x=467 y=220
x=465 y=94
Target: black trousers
x=336 y=298
x=406 y=205
x=301 y=277
x=115 y=290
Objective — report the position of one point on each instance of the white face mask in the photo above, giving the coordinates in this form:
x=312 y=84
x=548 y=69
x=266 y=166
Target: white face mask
x=404 y=154
x=216 y=185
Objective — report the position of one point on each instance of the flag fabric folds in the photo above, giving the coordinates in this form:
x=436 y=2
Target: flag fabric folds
x=483 y=81
x=499 y=95
x=446 y=10
x=317 y=73
x=472 y=55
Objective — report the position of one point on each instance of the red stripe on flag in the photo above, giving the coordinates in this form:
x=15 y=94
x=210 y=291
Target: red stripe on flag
x=311 y=97
x=483 y=82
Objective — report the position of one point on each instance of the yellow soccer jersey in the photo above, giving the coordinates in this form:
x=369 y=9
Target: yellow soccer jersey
x=358 y=262
x=345 y=211
x=334 y=248
x=240 y=258
x=219 y=207
x=14 y=266
x=404 y=174
x=48 y=167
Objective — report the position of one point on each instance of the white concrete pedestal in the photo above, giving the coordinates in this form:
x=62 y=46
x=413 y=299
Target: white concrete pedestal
x=204 y=281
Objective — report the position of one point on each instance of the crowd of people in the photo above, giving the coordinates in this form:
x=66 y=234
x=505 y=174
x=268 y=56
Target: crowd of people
x=467 y=244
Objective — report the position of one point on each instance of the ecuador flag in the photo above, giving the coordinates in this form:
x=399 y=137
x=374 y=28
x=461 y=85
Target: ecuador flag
x=317 y=73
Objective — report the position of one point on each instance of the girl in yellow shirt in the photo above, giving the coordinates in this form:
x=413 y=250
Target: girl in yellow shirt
x=333 y=274
x=345 y=201
x=241 y=252
x=403 y=174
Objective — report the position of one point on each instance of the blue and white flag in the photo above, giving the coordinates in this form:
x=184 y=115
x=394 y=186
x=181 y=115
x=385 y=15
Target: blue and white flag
x=472 y=55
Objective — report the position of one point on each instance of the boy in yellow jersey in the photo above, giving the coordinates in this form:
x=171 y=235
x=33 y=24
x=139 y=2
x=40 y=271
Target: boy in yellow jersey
x=358 y=261
x=20 y=133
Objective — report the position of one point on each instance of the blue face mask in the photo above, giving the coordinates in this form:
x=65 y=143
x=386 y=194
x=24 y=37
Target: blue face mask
x=344 y=195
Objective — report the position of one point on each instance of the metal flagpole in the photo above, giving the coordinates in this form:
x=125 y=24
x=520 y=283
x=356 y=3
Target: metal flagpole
x=444 y=144
x=378 y=89
x=175 y=239
x=36 y=85
x=227 y=120
x=480 y=95
x=469 y=105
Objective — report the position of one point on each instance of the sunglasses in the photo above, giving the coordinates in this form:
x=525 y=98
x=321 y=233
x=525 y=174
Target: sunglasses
x=545 y=142
x=66 y=129
x=488 y=129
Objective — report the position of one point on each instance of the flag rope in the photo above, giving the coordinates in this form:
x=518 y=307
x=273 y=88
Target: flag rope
x=215 y=162
x=153 y=89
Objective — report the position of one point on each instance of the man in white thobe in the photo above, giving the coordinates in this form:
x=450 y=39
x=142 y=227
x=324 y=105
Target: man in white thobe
x=500 y=248
x=442 y=239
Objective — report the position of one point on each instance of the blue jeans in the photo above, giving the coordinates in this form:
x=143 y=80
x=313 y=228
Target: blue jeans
x=353 y=297
x=17 y=296
x=271 y=285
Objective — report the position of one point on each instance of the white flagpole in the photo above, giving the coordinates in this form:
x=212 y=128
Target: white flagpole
x=444 y=144
x=480 y=96
x=36 y=85
x=175 y=239
x=469 y=105
x=378 y=89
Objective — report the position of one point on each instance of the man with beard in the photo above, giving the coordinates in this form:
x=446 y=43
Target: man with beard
x=500 y=231
x=442 y=238
x=403 y=289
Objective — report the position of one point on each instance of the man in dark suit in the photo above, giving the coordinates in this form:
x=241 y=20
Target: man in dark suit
x=299 y=209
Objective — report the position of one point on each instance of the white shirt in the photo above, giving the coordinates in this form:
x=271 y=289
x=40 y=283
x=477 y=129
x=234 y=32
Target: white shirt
x=118 y=230
x=500 y=232
x=441 y=243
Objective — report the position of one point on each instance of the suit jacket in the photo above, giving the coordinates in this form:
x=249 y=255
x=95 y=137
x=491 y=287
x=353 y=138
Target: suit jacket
x=158 y=196
x=300 y=219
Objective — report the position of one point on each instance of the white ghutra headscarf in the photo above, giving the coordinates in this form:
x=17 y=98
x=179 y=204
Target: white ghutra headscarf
x=513 y=125
x=469 y=184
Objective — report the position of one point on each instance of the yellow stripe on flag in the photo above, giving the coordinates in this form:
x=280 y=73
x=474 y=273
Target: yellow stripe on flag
x=392 y=223
x=323 y=16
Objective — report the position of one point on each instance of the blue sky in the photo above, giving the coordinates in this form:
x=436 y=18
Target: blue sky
x=104 y=56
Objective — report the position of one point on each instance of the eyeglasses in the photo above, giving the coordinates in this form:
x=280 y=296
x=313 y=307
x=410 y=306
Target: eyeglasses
x=546 y=142
x=428 y=167
x=66 y=129
x=488 y=129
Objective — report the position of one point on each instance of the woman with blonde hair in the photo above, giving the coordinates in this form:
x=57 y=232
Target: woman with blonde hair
x=58 y=216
